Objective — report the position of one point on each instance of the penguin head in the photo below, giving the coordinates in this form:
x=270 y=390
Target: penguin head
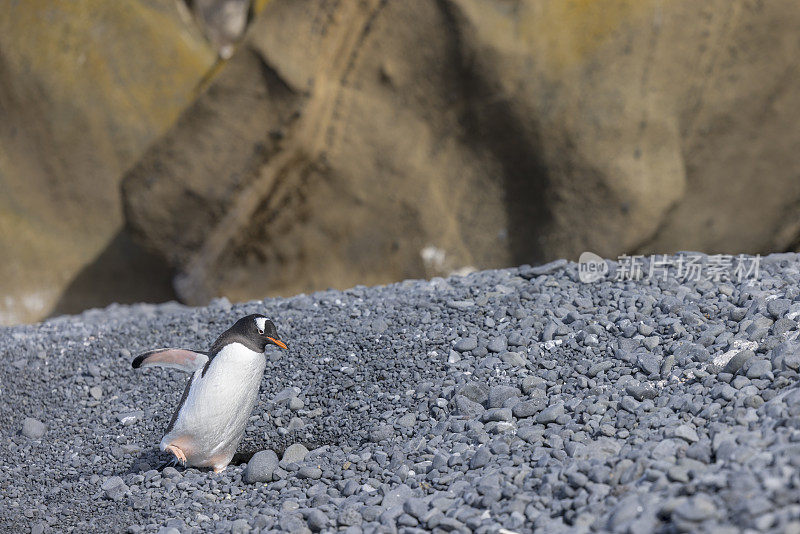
x=260 y=330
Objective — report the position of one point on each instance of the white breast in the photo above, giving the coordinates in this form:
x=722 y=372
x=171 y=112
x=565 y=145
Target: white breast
x=215 y=413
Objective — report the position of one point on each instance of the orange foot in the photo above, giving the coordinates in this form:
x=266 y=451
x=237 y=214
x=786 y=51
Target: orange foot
x=177 y=452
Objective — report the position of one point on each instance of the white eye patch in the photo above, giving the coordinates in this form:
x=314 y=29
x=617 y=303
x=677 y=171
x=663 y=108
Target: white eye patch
x=261 y=323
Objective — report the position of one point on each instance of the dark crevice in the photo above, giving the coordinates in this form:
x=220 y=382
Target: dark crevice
x=494 y=125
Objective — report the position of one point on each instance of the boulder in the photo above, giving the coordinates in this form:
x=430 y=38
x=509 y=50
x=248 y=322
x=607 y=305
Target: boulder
x=85 y=87
x=365 y=142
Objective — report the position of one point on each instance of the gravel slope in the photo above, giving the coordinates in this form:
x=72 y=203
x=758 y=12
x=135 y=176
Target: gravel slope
x=519 y=398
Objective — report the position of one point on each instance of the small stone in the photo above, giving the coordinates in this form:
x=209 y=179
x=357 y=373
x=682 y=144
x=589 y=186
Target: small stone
x=464 y=406
x=514 y=358
x=349 y=517
x=415 y=507
x=381 y=433
x=777 y=308
x=735 y=364
x=296 y=404
x=240 y=526
x=687 y=433
x=498 y=395
x=599 y=367
x=475 y=392
x=550 y=414
x=497 y=414
x=531 y=434
x=649 y=363
x=396 y=496
x=758 y=369
x=261 y=467
x=697 y=509
x=407 y=421
x=529 y=407
x=498 y=344
x=316 y=520
x=314 y=473
x=466 y=344
x=96 y=392
x=129 y=418
x=114 y=488
x=286 y=394
x=294 y=453
x=33 y=428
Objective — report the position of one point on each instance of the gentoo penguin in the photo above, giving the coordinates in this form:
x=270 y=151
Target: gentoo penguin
x=216 y=404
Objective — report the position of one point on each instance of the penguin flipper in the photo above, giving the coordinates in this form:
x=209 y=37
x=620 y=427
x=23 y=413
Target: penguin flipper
x=183 y=359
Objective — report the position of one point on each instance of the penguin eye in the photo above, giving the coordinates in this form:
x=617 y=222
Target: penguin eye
x=260 y=331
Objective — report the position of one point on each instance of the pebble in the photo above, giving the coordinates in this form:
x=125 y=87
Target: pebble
x=466 y=344
x=33 y=428
x=686 y=433
x=652 y=406
x=549 y=415
x=294 y=453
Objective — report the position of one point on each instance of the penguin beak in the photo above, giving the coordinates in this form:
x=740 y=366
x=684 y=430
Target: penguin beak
x=278 y=342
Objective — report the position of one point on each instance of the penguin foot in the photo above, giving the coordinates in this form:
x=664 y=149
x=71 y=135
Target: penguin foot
x=220 y=469
x=177 y=452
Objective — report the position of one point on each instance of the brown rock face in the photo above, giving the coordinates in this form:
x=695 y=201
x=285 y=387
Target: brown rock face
x=85 y=86
x=363 y=142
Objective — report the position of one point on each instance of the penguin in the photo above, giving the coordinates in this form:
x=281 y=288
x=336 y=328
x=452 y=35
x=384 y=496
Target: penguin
x=221 y=392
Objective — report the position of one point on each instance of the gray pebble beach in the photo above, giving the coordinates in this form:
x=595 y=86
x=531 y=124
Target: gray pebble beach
x=518 y=399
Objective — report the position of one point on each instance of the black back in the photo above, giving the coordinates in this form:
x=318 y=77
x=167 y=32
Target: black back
x=244 y=331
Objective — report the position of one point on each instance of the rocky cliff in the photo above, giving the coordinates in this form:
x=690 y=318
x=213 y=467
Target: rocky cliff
x=362 y=142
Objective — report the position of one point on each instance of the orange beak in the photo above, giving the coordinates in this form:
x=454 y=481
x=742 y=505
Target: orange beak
x=278 y=342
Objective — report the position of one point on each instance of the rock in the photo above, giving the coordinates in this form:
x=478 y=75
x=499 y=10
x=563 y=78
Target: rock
x=481 y=457
x=686 y=433
x=381 y=433
x=649 y=363
x=294 y=453
x=396 y=496
x=96 y=126
x=514 y=358
x=310 y=472
x=498 y=344
x=497 y=414
x=696 y=509
x=640 y=392
x=240 y=526
x=349 y=517
x=667 y=180
x=475 y=392
x=33 y=428
x=407 y=421
x=316 y=520
x=261 y=466
x=286 y=395
x=498 y=395
x=415 y=507
x=466 y=407
x=129 y=418
x=777 y=308
x=114 y=488
x=549 y=415
x=529 y=407
x=735 y=364
x=758 y=368
x=96 y=392
x=466 y=344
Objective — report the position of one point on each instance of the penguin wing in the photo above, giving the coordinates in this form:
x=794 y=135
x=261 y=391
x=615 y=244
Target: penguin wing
x=183 y=359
